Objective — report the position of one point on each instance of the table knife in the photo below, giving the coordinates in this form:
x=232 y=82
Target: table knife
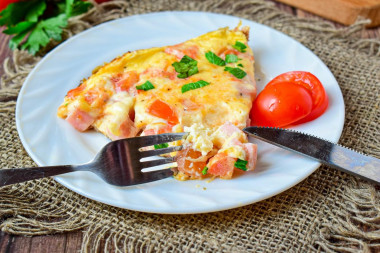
x=326 y=152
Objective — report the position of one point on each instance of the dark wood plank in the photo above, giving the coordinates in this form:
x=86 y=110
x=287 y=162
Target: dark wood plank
x=5 y=241
x=5 y=51
x=19 y=244
x=73 y=242
x=48 y=243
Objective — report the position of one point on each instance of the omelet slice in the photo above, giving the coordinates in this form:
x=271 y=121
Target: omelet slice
x=204 y=86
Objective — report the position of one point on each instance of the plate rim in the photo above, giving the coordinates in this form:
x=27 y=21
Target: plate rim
x=30 y=152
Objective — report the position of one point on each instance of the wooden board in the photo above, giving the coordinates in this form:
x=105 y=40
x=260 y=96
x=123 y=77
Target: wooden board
x=343 y=11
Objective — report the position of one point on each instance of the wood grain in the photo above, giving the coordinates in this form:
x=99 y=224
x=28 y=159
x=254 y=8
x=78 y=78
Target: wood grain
x=71 y=242
x=4 y=49
x=343 y=11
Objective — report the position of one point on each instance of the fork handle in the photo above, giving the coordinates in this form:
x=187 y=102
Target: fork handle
x=13 y=176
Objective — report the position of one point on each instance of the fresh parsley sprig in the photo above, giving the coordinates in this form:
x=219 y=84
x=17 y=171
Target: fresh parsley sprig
x=186 y=67
x=35 y=23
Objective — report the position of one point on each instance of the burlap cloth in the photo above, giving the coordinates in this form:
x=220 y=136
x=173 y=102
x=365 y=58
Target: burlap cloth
x=329 y=211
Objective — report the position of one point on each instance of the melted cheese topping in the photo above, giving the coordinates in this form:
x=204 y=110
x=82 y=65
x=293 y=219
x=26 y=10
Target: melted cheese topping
x=111 y=104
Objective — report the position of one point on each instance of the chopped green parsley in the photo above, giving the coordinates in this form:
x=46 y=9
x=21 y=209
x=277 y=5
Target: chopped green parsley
x=237 y=72
x=159 y=146
x=145 y=86
x=241 y=164
x=231 y=58
x=214 y=59
x=239 y=46
x=193 y=86
x=186 y=67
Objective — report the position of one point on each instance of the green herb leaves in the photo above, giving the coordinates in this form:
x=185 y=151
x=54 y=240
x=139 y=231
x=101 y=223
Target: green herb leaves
x=231 y=58
x=193 y=86
x=186 y=67
x=214 y=59
x=204 y=171
x=162 y=145
x=241 y=164
x=239 y=46
x=145 y=86
x=237 y=72
x=34 y=23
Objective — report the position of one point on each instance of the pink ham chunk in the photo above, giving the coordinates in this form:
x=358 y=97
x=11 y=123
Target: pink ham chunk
x=221 y=165
x=80 y=120
x=180 y=51
x=251 y=155
x=228 y=129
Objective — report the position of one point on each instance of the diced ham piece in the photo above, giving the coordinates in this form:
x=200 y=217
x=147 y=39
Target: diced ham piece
x=229 y=129
x=251 y=155
x=123 y=82
x=80 y=120
x=221 y=165
x=127 y=129
x=180 y=51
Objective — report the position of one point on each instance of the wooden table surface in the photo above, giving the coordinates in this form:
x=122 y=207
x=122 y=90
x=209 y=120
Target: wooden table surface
x=71 y=242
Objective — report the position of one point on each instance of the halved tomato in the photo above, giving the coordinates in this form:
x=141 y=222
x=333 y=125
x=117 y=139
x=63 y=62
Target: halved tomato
x=310 y=82
x=281 y=104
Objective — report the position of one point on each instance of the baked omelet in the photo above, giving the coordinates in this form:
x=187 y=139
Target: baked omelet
x=204 y=86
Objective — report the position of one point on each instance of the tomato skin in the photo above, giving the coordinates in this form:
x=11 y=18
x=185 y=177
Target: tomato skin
x=4 y=3
x=310 y=82
x=280 y=105
x=162 y=110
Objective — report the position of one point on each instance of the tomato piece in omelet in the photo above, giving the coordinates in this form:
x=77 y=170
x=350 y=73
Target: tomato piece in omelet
x=204 y=86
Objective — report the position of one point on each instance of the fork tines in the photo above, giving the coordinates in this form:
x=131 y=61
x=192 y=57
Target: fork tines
x=158 y=139
x=160 y=151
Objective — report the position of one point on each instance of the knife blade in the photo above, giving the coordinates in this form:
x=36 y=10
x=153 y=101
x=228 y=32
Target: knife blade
x=326 y=152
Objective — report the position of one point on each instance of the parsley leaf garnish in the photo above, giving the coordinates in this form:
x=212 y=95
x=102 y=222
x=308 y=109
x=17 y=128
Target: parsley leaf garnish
x=240 y=65
x=231 y=58
x=204 y=171
x=186 y=67
x=44 y=31
x=35 y=23
x=162 y=145
x=239 y=46
x=241 y=164
x=214 y=59
x=145 y=86
x=193 y=86
x=237 y=72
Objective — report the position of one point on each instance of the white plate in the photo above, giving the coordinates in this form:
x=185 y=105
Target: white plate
x=51 y=141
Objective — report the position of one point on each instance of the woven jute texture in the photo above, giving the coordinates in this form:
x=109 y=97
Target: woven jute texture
x=330 y=211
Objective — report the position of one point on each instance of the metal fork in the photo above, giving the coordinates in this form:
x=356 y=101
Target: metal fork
x=118 y=163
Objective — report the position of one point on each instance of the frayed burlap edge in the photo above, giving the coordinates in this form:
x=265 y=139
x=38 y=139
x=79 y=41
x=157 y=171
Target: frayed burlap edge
x=352 y=227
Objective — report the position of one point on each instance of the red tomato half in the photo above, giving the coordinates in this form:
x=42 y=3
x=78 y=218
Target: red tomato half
x=4 y=3
x=310 y=82
x=281 y=104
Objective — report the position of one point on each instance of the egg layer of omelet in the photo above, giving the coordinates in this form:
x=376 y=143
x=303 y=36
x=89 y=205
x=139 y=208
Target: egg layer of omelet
x=200 y=111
